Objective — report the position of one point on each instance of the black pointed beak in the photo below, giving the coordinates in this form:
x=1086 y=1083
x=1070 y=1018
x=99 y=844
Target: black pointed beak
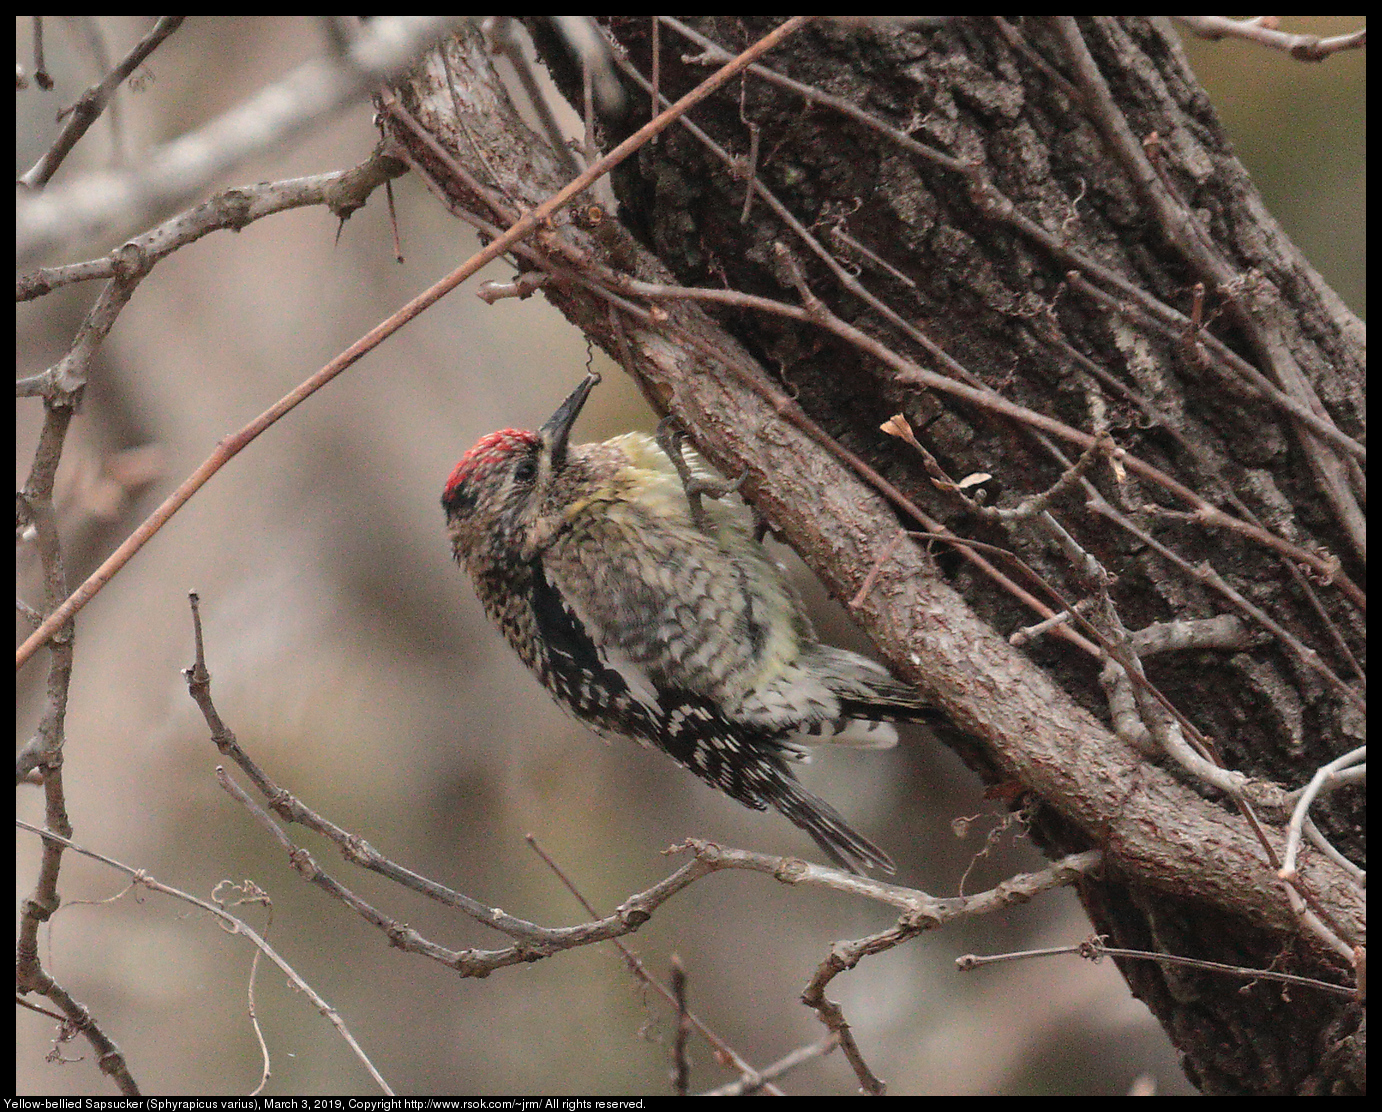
x=557 y=430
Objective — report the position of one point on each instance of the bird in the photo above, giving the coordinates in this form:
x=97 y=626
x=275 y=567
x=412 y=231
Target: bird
x=653 y=617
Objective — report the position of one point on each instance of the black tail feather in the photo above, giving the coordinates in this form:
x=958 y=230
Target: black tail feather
x=846 y=847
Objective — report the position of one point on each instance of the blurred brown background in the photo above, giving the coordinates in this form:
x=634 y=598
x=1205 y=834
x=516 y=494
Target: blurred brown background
x=352 y=660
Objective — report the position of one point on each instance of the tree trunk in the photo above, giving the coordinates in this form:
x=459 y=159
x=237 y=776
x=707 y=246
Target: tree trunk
x=1033 y=241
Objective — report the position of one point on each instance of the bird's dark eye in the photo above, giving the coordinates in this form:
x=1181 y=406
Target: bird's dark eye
x=526 y=471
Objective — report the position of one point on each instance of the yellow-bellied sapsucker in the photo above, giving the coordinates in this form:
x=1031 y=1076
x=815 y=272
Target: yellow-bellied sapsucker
x=667 y=625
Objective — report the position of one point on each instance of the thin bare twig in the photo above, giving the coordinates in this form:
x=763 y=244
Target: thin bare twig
x=234 y=926
x=723 y=1051
x=1094 y=948
x=681 y=1064
x=89 y=106
x=1265 y=31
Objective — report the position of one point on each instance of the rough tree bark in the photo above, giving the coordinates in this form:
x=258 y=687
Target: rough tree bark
x=1048 y=214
